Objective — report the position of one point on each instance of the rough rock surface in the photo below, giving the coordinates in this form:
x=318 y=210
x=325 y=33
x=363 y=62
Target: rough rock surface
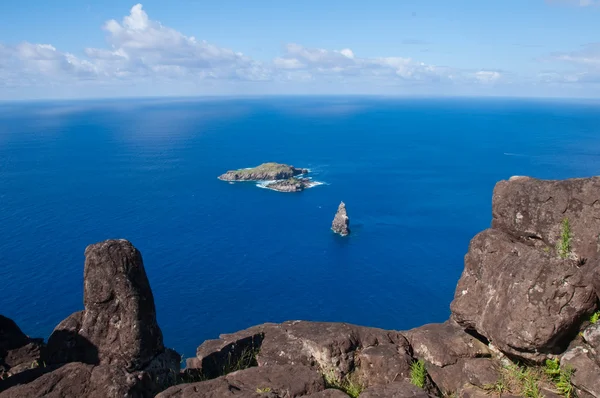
x=329 y=393
x=401 y=389
x=534 y=209
x=335 y=349
x=276 y=381
x=514 y=269
x=114 y=347
x=76 y=380
x=546 y=297
x=263 y=172
x=341 y=222
x=18 y=352
x=443 y=344
x=118 y=325
x=587 y=371
x=515 y=292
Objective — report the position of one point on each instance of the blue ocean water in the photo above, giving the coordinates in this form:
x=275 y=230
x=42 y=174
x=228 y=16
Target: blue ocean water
x=416 y=174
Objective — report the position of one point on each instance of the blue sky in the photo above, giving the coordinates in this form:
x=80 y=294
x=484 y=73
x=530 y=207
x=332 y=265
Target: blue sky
x=113 y=48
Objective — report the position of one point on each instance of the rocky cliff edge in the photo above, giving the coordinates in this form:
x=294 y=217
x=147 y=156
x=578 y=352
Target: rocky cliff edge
x=524 y=322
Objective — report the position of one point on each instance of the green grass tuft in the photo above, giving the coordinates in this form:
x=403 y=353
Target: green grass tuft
x=595 y=318
x=564 y=244
x=246 y=360
x=560 y=377
x=418 y=373
x=349 y=384
x=552 y=369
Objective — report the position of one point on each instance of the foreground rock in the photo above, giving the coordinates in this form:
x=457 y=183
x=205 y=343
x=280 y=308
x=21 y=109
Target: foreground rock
x=514 y=268
x=76 y=380
x=272 y=381
x=527 y=290
x=264 y=172
x=341 y=222
x=18 y=352
x=114 y=347
x=118 y=325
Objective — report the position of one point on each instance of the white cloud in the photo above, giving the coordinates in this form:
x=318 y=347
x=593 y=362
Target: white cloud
x=144 y=52
x=345 y=64
x=579 y=3
x=589 y=56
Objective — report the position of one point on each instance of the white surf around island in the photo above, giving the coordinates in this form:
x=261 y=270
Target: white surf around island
x=265 y=184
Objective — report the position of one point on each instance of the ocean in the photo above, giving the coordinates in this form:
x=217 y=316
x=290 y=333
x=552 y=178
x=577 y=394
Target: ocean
x=416 y=175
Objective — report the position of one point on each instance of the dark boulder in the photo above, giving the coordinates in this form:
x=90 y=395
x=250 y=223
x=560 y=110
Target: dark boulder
x=336 y=350
x=398 y=389
x=76 y=380
x=118 y=325
x=443 y=344
x=341 y=222
x=591 y=335
x=587 y=371
x=546 y=297
x=533 y=210
x=114 y=347
x=277 y=381
x=18 y=352
x=329 y=393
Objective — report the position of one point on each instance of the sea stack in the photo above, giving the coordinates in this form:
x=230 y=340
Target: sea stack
x=341 y=222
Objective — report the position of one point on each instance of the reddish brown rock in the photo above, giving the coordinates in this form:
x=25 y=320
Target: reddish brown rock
x=443 y=344
x=329 y=393
x=18 y=352
x=329 y=347
x=546 y=297
x=117 y=333
x=383 y=364
x=587 y=371
x=399 y=389
x=534 y=209
x=118 y=325
x=268 y=381
x=76 y=380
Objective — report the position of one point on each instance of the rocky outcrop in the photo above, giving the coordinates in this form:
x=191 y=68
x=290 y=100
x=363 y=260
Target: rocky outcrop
x=514 y=267
x=527 y=290
x=18 y=352
x=532 y=210
x=114 y=347
x=273 y=381
x=77 y=379
x=263 y=172
x=341 y=222
x=400 y=389
x=118 y=325
x=290 y=185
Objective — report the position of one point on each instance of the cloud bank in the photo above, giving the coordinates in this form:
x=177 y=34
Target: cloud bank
x=142 y=52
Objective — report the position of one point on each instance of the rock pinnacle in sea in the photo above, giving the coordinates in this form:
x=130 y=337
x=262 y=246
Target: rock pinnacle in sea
x=341 y=222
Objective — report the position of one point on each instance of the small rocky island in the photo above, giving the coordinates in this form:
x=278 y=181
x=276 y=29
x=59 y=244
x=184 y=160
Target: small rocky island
x=264 y=172
x=341 y=222
x=290 y=185
x=275 y=176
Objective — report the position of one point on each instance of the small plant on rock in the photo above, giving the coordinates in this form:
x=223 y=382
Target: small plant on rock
x=349 y=384
x=595 y=318
x=552 y=368
x=418 y=373
x=561 y=377
x=263 y=390
x=564 y=244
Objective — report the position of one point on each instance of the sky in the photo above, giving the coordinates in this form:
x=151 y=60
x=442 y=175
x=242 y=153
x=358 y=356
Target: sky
x=118 y=48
